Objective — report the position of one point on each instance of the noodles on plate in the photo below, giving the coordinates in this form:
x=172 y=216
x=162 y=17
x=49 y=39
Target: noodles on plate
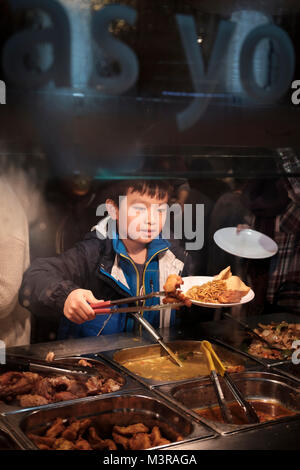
x=208 y=292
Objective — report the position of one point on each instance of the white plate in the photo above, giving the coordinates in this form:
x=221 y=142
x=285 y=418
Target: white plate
x=192 y=281
x=247 y=243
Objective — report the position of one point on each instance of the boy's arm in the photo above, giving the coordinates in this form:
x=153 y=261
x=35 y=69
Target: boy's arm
x=48 y=282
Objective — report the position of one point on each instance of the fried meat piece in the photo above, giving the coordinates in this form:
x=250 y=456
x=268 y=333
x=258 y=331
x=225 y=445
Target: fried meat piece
x=173 y=293
x=32 y=377
x=132 y=429
x=63 y=444
x=41 y=440
x=71 y=432
x=122 y=440
x=230 y=297
x=82 y=444
x=56 y=428
x=29 y=400
x=110 y=385
x=100 y=444
x=63 y=396
x=84 y=363
x=140 y=441
x=176 y=297
x=50 y=356
x=109 y=444
x=14 y=383
x=156 y=438
x=59 y=388
x=172 y=283
x=44 y=388
x=93 y=385
x=44 y=447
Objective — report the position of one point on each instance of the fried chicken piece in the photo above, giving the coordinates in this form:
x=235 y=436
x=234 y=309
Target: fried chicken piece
x=140 y=441
x=63 y=396
x=93 y=385
x=132 y=429
x=50 y=356
x=172 y=283
x=176 y=297
x=56 y=388
x=71 y=432
x=173 y=293
x=155 y=435
x=84 y=363
x=27 y=401
x=32 y=377
x=44 y=447
x=100 y=444
x=56 y=428
x=110 y=385
x=63 y=444
x=122 y=440
x=43 y=387
x=41 y=440
x=82 y=444
x=84 y=424
x=110 y=444
x=230 y=297
x=14 y=383
x=156 y=438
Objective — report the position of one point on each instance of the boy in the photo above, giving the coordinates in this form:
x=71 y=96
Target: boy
x=123 y=256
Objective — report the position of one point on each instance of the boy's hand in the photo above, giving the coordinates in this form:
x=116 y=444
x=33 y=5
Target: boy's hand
x=77 y=308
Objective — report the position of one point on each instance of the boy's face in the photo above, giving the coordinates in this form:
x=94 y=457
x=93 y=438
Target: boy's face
x=141 y=217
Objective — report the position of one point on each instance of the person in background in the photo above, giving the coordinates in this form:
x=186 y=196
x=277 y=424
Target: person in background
x=15 y=322
x=277 y=279
x=229 y=211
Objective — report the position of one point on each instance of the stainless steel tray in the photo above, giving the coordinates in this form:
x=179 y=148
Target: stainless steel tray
x=123 y=409
x=7 y=442
x=105 y=369
x=229 y=333
x=117 y=356
x=262 y=385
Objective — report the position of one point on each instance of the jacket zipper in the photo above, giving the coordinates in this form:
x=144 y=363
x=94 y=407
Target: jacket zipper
x=140 y=290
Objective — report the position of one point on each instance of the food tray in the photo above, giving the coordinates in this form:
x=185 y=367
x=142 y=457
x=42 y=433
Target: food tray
x=104 y=369
x=122 y=409
x=117 y=356
x=258 y=385
x=231 y=334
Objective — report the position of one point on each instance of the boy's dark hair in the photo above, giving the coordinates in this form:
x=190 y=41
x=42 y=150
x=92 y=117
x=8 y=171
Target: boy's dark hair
x=154 y=188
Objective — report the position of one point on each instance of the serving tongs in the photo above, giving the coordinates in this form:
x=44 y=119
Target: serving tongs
x=111 y=306
x=23 y=364
x=215 y=365
x=105 y=307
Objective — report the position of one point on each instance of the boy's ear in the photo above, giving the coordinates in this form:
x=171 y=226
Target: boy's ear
x=112 y=209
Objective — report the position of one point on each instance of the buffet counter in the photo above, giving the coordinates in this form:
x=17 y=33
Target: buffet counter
x=166 y=397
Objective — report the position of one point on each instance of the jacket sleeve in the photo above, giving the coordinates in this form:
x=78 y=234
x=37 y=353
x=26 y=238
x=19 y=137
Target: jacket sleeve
x=48 y=281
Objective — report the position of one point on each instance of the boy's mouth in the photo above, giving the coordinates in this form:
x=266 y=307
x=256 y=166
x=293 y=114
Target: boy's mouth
x=149 y=233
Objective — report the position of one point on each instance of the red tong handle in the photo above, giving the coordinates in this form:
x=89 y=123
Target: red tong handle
x=106 y=303
x=99 y=307
x=102 y=310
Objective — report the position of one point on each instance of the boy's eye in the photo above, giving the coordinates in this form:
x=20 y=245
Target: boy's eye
x=139 y=208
